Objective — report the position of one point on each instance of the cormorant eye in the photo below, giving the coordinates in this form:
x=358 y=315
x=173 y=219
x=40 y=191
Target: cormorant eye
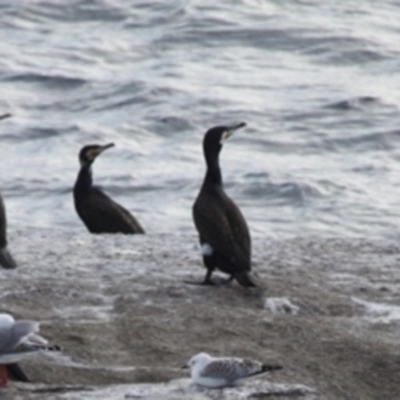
x=91 y=154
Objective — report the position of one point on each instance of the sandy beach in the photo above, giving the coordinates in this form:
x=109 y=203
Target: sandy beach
x=126 y=321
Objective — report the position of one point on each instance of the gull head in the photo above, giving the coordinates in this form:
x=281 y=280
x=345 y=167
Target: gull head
x=198 y=361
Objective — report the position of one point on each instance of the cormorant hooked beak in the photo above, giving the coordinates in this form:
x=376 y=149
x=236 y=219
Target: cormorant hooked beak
x=98 y=150
x=230 y=130
x=89 y=153
x=105 y=147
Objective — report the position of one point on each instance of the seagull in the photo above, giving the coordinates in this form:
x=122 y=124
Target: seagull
x=219 y=372
x=18 y=340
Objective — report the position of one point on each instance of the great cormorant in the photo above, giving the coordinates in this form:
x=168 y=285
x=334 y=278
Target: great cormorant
x=223 y=232
x=99 y=212
x=6 y=259
x=14 y=370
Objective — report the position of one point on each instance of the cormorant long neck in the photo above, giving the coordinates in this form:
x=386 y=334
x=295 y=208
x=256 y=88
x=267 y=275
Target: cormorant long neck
x=3 y=224
x=84 y=180
x=213 y=174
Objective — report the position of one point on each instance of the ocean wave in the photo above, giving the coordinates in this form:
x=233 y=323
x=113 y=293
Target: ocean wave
x=50 y=81
x=70 y=11
x=282 y=193
x=357 y=103
x=316 y=84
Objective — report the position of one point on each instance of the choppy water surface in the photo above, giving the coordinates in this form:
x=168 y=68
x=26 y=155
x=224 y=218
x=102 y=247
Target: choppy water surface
x=318 y=85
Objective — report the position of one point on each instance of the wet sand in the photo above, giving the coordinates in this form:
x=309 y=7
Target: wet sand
x=119 y=307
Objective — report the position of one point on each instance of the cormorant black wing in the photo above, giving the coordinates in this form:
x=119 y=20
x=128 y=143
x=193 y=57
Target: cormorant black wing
x=6 y=260
x=3 y=224
x=221 y=224
x=101 y=214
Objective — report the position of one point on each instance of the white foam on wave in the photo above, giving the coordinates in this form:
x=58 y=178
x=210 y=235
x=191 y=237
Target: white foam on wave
x=379 y=312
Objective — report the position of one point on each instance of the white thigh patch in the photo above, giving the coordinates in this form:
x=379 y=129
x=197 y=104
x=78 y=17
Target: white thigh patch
x=206 y=250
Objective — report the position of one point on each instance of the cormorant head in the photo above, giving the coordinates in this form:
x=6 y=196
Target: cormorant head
x=215 y=137
x=89 y=153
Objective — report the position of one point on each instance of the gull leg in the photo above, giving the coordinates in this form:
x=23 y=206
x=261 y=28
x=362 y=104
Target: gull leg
x=14 y=371
x=3 y=375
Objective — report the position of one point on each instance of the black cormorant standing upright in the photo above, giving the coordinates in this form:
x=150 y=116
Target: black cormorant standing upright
x=99 y=212
x=6 y=259
x=223 y=232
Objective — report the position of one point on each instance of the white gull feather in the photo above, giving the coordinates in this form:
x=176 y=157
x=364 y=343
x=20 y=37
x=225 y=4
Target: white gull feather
x=19 y=339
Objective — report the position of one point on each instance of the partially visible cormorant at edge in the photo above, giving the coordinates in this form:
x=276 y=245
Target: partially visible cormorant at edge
x=6 y=261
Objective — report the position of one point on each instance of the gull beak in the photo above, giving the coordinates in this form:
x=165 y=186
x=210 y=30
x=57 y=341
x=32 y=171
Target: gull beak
x=185 y=366
x=230 y=130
